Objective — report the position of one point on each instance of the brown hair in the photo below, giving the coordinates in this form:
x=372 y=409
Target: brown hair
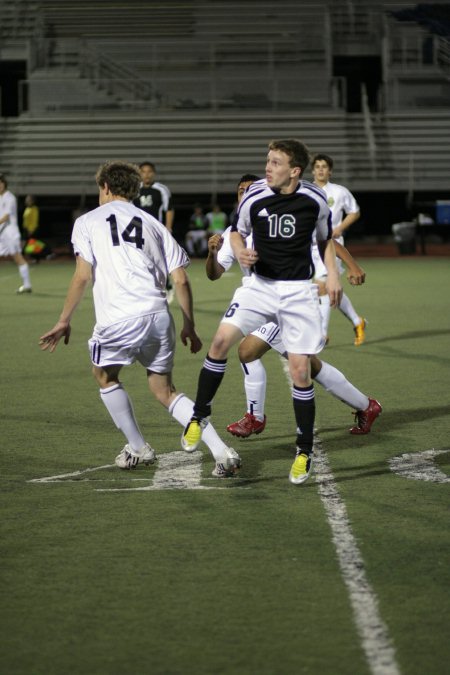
x=122 y=178
x=297 y=152
x=321 y=157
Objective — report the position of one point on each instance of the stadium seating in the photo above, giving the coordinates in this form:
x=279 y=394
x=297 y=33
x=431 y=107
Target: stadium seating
x=200 y=87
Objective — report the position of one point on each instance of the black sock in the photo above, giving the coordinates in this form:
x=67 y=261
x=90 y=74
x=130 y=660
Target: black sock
x=209 y=380
x=305 y=411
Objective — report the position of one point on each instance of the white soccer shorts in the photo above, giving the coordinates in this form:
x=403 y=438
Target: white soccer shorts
x=9 y=240
x=320 y=270
x=270 y=334
x=148 y=339
x=292 y=305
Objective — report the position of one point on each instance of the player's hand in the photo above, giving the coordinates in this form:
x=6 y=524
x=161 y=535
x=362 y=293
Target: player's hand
x=334 y=290
x=356 y=275
x=247 y=257
x=50 y=340
x=337 y=232
x=189 y=334
x=215 y=243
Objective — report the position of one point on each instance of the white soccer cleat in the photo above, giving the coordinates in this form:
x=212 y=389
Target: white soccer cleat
x=129 y=459
x=230 y=465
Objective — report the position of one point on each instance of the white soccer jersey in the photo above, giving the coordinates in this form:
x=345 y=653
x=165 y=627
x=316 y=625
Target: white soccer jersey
x=226 y=257
x=8 y=206
x=340 y=200
x=131 y=254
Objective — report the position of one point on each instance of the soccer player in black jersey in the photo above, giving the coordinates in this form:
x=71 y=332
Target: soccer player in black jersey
x=155 y=198
x=282 y=213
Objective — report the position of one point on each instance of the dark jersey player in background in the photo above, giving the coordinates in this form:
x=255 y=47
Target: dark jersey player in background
x=155 y=198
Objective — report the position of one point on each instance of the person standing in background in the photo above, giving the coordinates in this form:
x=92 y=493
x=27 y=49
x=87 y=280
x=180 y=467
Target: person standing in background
x=155 y=198
x=10 y=243
x=344 y=212
x=30 y=218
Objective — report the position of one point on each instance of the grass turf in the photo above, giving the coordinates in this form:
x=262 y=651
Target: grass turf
x=239 y=580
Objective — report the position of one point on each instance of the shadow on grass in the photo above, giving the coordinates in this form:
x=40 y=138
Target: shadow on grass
x=411 y=335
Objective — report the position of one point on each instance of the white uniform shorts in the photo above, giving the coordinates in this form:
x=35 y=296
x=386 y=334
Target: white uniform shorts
x=148 y=339
x=10 y=240
x=270 y=334
x=320 y=269
x=292 y=305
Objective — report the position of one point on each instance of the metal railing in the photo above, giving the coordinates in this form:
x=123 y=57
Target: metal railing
x=39 y=96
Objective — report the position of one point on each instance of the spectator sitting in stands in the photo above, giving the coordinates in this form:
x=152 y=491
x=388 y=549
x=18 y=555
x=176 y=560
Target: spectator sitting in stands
x=216 y=220
x=196 y=237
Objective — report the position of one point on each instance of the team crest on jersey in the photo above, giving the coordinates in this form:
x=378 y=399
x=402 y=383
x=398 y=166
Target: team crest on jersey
x=330 y=202
x=146 y=200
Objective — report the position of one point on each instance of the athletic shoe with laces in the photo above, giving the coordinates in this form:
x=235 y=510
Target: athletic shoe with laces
x=129 y=459
x=192 y=434
x=24 y=289
x=301 y=468
x=247 y=426
x=229 y=467
x=365 y=418
x=360 y=332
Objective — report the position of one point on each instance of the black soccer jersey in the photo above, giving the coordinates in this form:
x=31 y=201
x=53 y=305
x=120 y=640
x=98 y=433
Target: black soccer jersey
x=283 y=226
x=155 y=200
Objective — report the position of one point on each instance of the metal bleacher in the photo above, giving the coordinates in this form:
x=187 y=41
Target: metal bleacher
x=197 y=152
x=200 y=87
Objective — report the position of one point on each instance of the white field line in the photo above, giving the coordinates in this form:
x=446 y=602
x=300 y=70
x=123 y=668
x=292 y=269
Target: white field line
x=64 y=477
x=419 y=466
x=372 y=630
x=175 y=471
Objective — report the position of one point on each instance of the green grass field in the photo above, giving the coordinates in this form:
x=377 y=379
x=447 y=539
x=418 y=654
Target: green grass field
x=103 y=574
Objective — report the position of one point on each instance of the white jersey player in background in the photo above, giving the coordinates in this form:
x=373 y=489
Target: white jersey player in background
x=345 y=211
x=128 y=255
x=220 y=258
x=10 y=244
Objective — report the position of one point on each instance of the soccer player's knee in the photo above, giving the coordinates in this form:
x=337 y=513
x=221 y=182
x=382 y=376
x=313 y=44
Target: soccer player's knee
x=300 y=376
x=219 y=346
x=247 y=352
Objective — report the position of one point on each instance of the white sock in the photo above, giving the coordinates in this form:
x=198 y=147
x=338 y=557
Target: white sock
x=255 y=379
x=120 y=408
x=24 y=272
x=325 y=313
x=337 y=384
x=348 y=310
x=181 y=409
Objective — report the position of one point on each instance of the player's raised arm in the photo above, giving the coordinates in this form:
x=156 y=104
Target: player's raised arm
x=214 y=269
